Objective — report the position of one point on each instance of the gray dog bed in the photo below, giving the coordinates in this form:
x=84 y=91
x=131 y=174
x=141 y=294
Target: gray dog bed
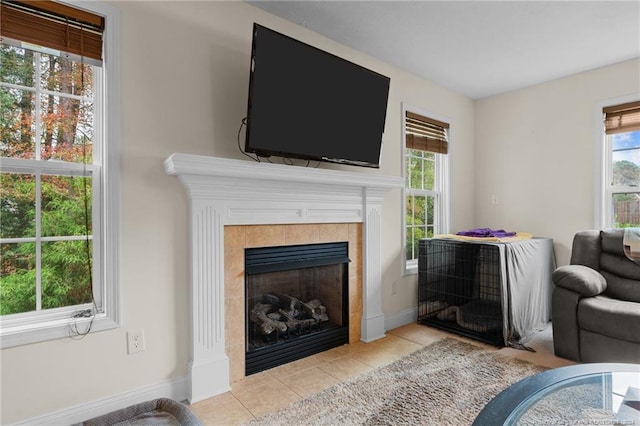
x=162 y=411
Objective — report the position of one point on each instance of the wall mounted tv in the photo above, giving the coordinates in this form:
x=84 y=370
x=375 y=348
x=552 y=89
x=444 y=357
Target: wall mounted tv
x=307 y=103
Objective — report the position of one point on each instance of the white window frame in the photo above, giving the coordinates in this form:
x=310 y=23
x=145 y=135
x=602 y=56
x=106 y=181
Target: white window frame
x=38 y=326
x=441 y=191
x=603 y=217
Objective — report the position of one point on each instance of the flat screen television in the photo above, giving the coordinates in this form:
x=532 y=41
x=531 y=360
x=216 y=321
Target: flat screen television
x=309 y=104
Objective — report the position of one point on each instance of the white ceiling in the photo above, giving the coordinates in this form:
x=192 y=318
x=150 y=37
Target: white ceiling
x=477 y=48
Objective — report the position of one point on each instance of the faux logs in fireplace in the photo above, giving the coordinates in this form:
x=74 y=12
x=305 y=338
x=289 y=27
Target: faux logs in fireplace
x=296 y=302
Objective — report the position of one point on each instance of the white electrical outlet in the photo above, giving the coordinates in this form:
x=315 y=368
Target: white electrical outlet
x=135 y=341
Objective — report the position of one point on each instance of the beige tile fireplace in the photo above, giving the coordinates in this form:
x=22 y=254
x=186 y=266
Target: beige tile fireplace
x=236 y=204
x=239 y=237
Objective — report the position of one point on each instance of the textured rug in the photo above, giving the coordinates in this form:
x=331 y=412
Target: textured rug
x=445 y=383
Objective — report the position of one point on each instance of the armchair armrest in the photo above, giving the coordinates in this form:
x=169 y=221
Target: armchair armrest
x=580 y=279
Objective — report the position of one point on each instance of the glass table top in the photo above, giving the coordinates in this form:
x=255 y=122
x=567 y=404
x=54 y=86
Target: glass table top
x=598 y=393
x=597 y=398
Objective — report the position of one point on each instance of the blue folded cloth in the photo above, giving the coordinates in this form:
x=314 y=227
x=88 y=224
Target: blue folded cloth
x=486 y=233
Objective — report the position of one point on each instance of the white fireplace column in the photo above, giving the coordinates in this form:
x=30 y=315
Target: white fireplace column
x=236 y=192
x=372 y=316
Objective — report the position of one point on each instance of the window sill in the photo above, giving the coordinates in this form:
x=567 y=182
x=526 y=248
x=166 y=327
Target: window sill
x=410 y=269
x=19 y=335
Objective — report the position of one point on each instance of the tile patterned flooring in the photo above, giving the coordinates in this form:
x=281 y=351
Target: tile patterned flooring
x=276 y=388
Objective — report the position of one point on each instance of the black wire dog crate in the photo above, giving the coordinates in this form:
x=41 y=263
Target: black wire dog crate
x=459 y=288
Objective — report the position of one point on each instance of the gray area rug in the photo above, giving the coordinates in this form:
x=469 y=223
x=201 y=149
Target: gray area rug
x=445 y=383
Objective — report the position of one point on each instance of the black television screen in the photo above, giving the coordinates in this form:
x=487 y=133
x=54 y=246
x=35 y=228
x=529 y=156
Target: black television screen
x=307 y=103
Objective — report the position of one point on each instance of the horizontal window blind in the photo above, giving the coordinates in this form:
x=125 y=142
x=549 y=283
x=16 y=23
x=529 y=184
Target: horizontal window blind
x=426 y=134
x=52 y=25
x=622 y=118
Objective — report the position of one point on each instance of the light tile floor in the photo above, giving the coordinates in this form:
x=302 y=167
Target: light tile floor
x=276 y=388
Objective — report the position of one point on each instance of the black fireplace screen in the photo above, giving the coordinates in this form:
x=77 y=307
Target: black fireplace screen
x=296 y=302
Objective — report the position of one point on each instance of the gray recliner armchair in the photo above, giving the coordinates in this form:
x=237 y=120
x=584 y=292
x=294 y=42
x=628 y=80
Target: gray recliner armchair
x=596 y=302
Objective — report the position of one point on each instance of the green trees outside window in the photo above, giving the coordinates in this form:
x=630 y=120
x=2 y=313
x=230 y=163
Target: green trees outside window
x=420 y=199
x=46 y=145
x=625 y=157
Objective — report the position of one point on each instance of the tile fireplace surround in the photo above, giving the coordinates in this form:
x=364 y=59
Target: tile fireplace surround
x=225 y=193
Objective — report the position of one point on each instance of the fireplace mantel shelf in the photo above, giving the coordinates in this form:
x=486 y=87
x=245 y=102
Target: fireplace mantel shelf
x=196 y=165
x=238 y=192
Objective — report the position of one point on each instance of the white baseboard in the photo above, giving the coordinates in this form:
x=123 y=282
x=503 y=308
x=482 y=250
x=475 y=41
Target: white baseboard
x=401 y=318
x=173 y=388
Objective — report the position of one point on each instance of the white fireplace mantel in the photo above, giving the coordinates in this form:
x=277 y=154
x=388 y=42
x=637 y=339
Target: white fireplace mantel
x=236 y=192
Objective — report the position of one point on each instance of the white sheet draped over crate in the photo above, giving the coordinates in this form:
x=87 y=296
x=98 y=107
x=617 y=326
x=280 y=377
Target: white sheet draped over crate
x=526 y=270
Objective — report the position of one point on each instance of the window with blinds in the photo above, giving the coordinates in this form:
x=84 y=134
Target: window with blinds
x=425 y=154
x=57 y=202
x=622 y=183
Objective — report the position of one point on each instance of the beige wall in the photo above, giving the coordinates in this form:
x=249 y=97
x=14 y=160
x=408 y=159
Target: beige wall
x=535 y=151
x=184 y=74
